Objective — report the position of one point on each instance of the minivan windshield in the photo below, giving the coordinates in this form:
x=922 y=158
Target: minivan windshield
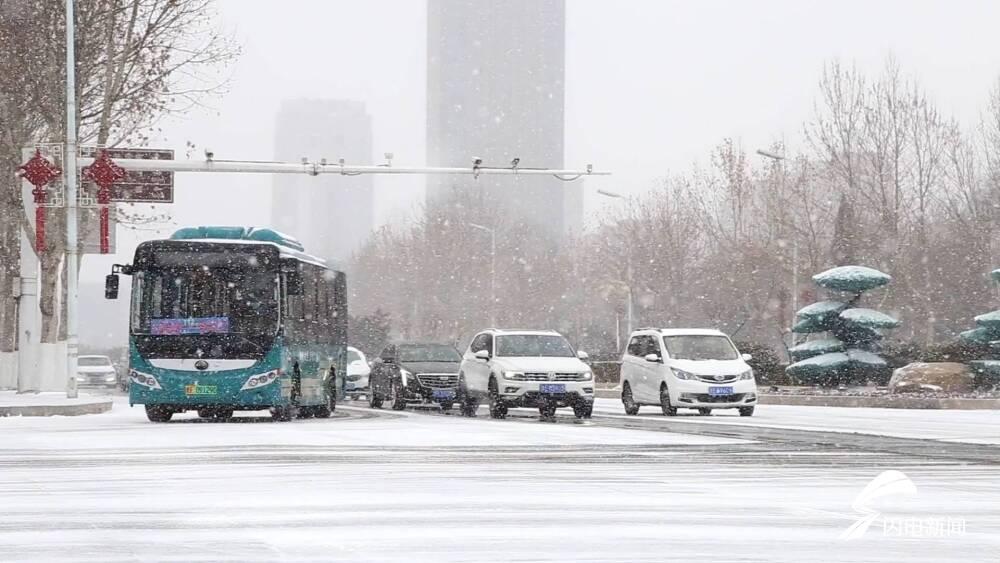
x=700 y=347
x=533 y=345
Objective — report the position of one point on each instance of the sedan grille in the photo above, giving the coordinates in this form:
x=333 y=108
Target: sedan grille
x=438 y=380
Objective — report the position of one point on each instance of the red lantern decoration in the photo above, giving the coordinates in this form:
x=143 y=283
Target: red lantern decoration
x=104 y=172
x=38 y=171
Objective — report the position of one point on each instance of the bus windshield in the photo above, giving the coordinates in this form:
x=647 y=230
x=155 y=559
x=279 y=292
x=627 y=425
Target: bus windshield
x=203 y=311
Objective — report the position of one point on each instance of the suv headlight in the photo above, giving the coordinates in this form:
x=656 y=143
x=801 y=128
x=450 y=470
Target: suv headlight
x=514 y=375
x=681 y=374
x=748 y=374
x=587 y=375
x=405 y=375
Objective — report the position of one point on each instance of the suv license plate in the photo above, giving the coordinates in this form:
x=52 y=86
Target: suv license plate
x=718 y=391
x=444 y=394
x=552 y=388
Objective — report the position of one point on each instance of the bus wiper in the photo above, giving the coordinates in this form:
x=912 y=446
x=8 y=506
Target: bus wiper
x=247 y=340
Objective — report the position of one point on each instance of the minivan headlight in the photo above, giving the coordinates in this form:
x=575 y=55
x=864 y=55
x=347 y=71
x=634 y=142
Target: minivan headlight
x=748 y=374
x=681 y=374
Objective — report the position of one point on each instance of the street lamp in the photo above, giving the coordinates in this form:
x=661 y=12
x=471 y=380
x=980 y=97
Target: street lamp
x=493 y=271
x=779 y=159
x=628 y=276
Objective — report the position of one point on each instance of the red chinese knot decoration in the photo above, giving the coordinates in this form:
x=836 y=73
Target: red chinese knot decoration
x=38 y=171
x=104 y=172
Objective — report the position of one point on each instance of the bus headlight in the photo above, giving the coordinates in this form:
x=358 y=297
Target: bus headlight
x=258 y=381
x=143 y=379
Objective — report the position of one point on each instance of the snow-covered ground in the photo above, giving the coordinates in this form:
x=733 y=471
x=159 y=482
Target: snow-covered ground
x=971 y=426
x=383 y=486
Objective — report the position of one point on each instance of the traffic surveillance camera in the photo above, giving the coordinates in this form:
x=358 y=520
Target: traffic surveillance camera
x=209 y=154
x=389 y=156
x=477 y=162
x=515 y=162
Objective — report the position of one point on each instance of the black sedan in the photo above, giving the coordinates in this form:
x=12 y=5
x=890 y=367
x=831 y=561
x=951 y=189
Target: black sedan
x=415 y=373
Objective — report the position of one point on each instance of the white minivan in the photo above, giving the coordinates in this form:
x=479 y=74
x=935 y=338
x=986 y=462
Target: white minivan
x=686 y=368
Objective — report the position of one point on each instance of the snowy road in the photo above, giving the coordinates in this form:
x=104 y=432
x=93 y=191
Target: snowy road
x=418 y=486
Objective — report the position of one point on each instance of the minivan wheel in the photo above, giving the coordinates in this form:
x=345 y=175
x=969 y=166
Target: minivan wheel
x=631 y=407
x=704 y=411
x=498 y=409
x=668 y=409
x=746 y=411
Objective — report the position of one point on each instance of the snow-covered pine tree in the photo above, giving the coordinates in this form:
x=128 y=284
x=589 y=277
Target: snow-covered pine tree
x=849 y=351
x=987 y=332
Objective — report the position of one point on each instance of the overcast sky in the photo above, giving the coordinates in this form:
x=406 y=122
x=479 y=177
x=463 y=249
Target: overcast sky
x=651 y=86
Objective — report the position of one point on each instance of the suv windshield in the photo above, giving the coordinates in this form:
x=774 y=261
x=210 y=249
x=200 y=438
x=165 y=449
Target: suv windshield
x=700 y=347
x=92 y=361
x=353 y=356
x=533 y=345
x=429 y=353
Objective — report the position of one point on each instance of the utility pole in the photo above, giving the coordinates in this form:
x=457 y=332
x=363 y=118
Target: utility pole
x=779 y=159
x=493 y=271
x=72 y=242
x=628 y=275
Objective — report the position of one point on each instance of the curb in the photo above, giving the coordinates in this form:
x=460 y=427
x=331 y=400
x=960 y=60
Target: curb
x=883 y=402
x=95 y=407
x=880 y=402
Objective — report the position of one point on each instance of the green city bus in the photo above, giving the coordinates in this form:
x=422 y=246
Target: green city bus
x=234 y=318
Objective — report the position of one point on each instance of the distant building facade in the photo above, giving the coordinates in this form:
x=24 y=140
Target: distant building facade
x=331 y=215
x=496 y=90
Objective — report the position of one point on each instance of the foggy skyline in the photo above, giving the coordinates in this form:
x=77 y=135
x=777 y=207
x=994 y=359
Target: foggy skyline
x=651 y=87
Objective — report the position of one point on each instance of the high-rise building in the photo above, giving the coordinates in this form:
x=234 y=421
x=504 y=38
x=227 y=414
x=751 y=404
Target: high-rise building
x=495 y=90
x=332 y=215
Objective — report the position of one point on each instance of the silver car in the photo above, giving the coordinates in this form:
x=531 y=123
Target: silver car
x=96 y=371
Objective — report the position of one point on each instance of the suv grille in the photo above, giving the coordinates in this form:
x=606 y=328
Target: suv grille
x=438 y=380
x=538 y=376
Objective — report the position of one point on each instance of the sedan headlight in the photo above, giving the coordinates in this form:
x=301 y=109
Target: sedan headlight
x=514 y=375
x=748 y=374
x=681 y=374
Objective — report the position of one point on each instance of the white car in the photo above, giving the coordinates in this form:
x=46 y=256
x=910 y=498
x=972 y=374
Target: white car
x=95 y=371
x=524 y=368
x=686 y=368
x=358 y=370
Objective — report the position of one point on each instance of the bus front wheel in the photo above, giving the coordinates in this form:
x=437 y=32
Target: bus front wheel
x=282 y=414
x=158 y=413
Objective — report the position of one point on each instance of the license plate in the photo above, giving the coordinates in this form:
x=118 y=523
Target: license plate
x=718 y=391
x=201 y=390
x=552 y=388
x=444 y=394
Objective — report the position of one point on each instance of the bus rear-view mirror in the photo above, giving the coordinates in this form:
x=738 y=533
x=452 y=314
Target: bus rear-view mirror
x=111 y=286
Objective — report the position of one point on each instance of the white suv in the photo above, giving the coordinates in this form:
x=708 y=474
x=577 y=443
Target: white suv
x=690 y=368
x=524 y=368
